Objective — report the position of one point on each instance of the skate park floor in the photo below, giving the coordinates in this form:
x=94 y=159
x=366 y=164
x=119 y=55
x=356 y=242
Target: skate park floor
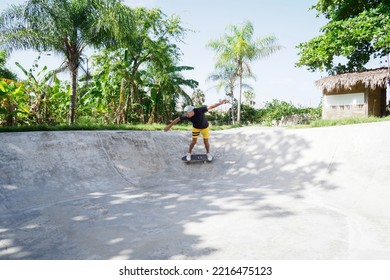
x=270 y=193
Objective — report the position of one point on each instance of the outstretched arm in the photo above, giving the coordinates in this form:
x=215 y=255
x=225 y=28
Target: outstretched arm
x=175 y=121
x=217 y=104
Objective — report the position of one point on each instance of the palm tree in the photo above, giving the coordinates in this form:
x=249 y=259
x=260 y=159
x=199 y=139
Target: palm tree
x=249 y=97
x=226 y=76
x=5 y=73
x=198 y=98
x=65 y=27
x=148 y=43
x=238 y=46
x=166 y=88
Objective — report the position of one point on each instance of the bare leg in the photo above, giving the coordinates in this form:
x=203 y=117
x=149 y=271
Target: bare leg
x=206 y=145
x=192 y=144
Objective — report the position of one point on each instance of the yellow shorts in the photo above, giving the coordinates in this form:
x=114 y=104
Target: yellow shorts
x=204 y=131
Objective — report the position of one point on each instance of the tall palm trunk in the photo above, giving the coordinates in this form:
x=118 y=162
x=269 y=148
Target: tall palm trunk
x=233 y=115
x=239 y=102
x=73 y=96
x=129 y=100
x=131 y=93
x=119 y=115
x=239 y=73
x=73 y=55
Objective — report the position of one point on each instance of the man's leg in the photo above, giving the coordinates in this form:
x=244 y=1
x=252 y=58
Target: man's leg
x=195 y=135
x=206 y=134
x=192 y=144
x=206 y=145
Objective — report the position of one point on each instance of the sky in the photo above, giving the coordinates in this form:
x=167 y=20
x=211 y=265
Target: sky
x=276 y=76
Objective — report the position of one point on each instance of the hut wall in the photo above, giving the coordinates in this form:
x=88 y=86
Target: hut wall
x=374 y=103
x=344 y=111
x=377 y=102
x=353 y=103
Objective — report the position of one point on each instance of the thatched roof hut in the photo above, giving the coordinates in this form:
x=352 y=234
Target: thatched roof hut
x=370 y=79
x=355 y=94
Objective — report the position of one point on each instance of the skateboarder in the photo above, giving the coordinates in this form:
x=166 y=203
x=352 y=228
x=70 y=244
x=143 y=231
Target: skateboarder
x=200 y=125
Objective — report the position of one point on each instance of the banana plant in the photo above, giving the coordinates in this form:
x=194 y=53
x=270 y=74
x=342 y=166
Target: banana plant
x=13 y=102
x=43 y=103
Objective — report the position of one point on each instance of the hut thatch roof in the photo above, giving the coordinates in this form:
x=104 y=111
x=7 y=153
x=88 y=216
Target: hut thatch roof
x=370 y=79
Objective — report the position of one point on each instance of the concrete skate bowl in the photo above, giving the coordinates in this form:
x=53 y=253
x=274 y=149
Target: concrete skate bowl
x=269 y=194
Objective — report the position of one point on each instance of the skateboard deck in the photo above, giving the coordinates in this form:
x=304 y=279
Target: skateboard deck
x=196 y=158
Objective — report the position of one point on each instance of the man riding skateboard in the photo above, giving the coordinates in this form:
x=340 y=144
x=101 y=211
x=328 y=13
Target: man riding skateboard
x=200 y=125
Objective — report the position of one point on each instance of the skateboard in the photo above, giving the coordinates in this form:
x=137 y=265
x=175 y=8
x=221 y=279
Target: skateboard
x=196 y=158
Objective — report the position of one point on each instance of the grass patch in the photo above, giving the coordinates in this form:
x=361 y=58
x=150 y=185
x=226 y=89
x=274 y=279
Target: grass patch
x=347 y=121
x=140 y=127
x=66 y=127
x=177 y=127
x=343 y=121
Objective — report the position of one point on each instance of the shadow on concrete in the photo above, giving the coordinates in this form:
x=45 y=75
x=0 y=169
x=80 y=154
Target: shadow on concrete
x=127 y=195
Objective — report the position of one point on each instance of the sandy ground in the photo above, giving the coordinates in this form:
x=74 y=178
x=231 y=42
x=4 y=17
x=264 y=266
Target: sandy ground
x=270 y=193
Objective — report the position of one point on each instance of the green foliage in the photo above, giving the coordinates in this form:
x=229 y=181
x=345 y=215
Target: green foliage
x=4 y=71
x=357 y=31
x=347 y=121
x=142 y=77
x=272 y=111
x=276 y=110
x=250 y=115
x=48 y=100
x=136 y=78
x=216 y=117
x=65 y=27
x=13 y=102
x=155 y=89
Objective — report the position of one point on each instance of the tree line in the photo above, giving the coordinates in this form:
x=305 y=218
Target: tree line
x=137 y=76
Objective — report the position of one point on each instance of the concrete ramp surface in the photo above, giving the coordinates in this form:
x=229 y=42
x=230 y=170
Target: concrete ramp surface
x=270 y=193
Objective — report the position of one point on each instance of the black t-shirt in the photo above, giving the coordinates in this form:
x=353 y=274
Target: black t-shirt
x=199 y=119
